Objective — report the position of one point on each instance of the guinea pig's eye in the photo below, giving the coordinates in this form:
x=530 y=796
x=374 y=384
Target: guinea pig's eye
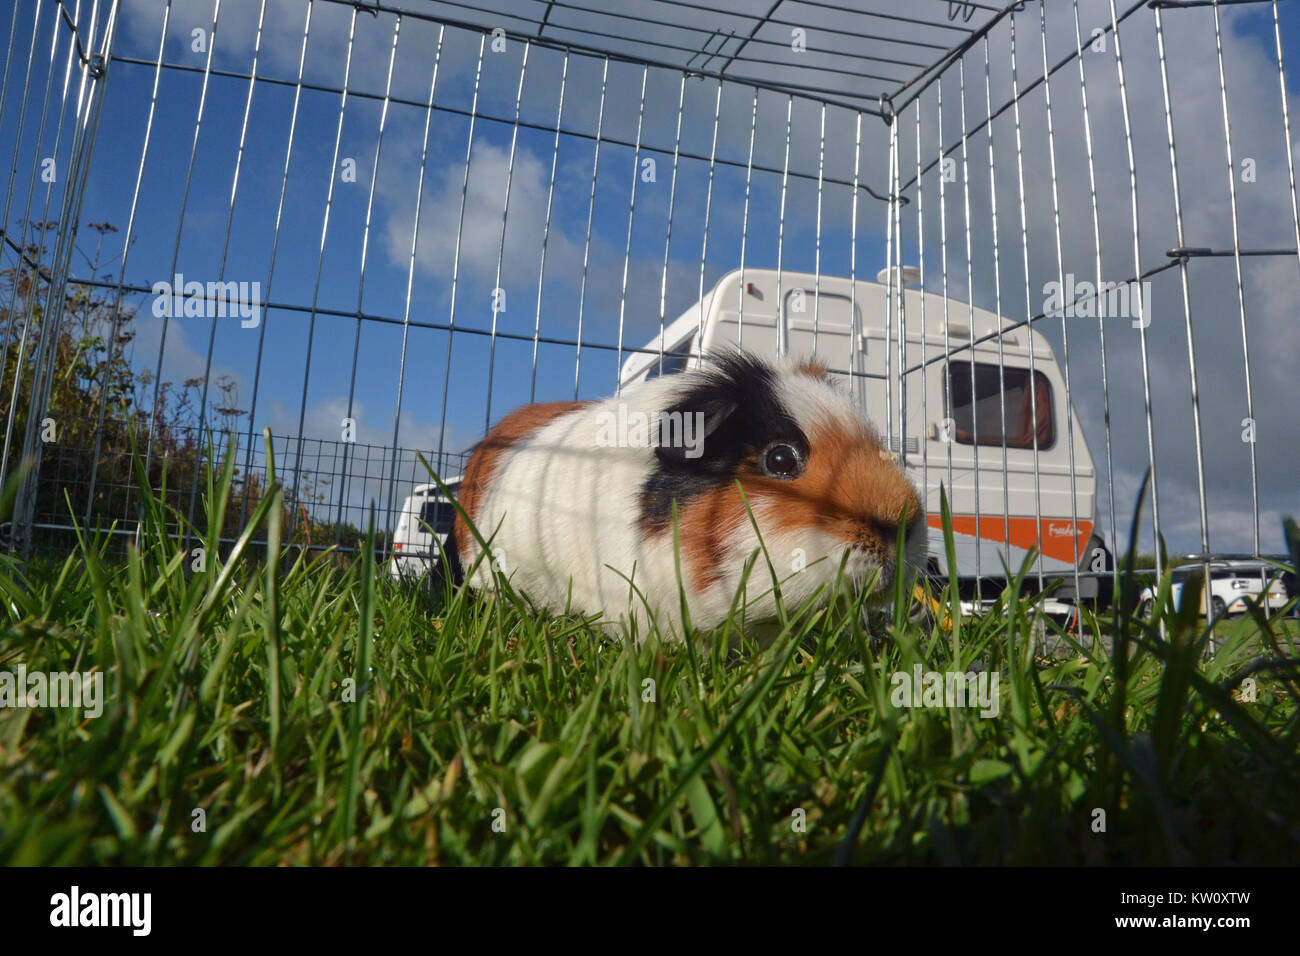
x=780 y=460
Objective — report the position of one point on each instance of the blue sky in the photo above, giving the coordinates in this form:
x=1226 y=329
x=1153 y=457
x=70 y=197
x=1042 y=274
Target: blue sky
x=299 y=256
x=197 y=238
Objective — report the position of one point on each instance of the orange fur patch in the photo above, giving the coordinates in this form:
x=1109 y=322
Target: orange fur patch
x=851 y=488
x=483 y=463
x=707 y=522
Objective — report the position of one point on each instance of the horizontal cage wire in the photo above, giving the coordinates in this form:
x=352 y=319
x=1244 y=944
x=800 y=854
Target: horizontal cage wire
x=1047 y=248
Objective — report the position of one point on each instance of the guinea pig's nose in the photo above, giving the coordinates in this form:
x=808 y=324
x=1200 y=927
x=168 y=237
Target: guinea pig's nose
x=885 y=530
x=885 y=527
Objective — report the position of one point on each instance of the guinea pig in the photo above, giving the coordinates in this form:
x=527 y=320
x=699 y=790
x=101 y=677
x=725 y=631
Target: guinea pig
x=575 y=499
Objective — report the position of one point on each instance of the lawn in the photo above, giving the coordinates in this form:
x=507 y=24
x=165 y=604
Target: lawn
x=302 y=712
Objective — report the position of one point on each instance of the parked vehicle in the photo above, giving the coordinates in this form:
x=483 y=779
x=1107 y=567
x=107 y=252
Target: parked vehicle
x=1234 y=585
x=425 y=513
x=962 y=409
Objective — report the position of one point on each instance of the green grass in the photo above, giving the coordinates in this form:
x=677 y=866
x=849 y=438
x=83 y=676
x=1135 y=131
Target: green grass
x=325 y=715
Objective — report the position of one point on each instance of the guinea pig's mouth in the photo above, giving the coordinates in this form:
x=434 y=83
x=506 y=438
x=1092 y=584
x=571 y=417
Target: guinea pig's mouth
x=878 y=555
x=864 y=563
x=883 y=553
x=866 y=560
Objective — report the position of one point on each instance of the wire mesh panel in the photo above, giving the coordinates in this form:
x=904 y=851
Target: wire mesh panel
x=1041 y=245
x=50 y=100
x=1114 y=184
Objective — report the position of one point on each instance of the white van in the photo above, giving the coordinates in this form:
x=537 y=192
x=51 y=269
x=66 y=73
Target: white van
x=948 y=405
x=425 y=512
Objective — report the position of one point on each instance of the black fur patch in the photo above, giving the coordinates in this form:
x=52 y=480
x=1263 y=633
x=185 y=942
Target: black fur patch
x=737 y=395
x=453 y=570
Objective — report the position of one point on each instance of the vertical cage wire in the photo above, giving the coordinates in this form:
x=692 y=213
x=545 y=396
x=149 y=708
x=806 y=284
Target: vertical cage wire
x=225 y=249
x=1060 y=272
x=591 y=215
x=43 y=226
x=320 y=258
x=1236 y=262
x=410 y=283
x=501 y=250
x=87 y=116
x=970 y=318
x=704 y=242
x=1183 y=278
x=1098 y=273
x=275 y=238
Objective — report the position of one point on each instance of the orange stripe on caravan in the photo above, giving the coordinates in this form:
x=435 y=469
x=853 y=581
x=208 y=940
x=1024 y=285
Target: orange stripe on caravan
x=1059 y=537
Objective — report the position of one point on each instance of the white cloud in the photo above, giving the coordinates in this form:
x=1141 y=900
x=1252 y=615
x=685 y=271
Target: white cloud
x=477 y=233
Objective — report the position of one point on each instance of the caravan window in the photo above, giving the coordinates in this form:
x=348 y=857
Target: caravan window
x=438 y=514
x=671 y=364
x=1028 y=413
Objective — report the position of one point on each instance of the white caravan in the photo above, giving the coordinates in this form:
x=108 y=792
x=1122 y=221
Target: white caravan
x=845 y=324
x=425 y=512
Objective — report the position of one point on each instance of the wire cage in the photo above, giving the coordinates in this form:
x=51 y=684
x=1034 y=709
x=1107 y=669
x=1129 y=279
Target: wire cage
x=1044 y=244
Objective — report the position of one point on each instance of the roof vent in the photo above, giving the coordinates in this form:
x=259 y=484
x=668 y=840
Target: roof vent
x=888 y=276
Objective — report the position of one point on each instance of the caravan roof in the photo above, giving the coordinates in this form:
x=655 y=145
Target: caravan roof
x=958 y=319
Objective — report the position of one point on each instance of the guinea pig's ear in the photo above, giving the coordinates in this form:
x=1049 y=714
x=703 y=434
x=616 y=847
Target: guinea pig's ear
x=812 y=367
x=686 y=427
